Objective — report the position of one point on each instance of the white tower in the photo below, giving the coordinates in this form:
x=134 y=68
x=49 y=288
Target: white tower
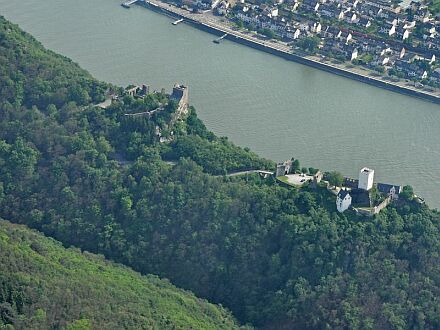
x=366 y=177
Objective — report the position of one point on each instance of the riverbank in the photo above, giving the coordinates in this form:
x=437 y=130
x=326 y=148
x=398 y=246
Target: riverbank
x=214 y=26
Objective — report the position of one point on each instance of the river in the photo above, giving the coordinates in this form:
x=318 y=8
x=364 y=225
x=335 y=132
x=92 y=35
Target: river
x=277 y=108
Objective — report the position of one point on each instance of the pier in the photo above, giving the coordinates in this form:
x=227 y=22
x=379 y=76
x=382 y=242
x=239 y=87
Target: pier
x=128 y=3
x=178 y=21
x=217 y=41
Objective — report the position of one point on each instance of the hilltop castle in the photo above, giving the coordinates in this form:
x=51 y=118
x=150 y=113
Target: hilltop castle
x=359 y=193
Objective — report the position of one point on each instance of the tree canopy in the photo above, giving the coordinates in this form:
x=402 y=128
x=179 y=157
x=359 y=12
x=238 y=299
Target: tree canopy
x=335 y=178
x=45 y=286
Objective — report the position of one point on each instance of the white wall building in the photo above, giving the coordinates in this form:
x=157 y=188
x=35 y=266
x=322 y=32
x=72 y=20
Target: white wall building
x=354 y=54
x=343 y=201
x=366 y=177
x=274 y=12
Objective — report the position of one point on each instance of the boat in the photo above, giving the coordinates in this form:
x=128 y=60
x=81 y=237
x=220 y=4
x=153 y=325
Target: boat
x=178 y=21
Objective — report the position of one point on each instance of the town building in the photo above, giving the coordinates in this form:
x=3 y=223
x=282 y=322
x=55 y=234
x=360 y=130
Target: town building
x=372 y=33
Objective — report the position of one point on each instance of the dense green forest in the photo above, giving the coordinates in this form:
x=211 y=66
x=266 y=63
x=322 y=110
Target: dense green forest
x=45 y=286
x=53 y=79
x=277 y=257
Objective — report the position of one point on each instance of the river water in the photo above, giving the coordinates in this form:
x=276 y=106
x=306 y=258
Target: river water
x=277 y=108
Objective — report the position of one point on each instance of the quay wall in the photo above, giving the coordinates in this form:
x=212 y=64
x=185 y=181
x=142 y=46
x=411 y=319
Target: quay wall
x=294 y=57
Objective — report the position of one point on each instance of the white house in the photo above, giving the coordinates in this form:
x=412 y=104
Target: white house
x=319 y=27
x=353 y=18
x=341 y=15
x=316 y=27
x=273 y=12
x=402 y=53
x=354 y=54
x=392 y=30
x=343 y=201
x=366 y=177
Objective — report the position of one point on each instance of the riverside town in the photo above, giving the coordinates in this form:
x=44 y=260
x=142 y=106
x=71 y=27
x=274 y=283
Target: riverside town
x=387 y=43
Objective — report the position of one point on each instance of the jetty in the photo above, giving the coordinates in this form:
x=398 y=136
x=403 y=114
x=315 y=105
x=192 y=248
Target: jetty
x=128 y=3
x=217 y=41
x=178 y=21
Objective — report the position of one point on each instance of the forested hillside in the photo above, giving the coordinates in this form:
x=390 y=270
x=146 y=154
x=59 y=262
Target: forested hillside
x=279 y=258
x=45 y=286
x=31 y=75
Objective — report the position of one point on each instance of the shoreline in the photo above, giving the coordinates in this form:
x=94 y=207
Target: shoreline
x=196 y=20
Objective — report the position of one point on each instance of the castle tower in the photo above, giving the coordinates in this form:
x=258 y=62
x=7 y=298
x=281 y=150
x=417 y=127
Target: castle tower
x=180 y=94
x=366 y=177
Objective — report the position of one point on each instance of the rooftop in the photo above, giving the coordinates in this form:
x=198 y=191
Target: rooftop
x=367 y=170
